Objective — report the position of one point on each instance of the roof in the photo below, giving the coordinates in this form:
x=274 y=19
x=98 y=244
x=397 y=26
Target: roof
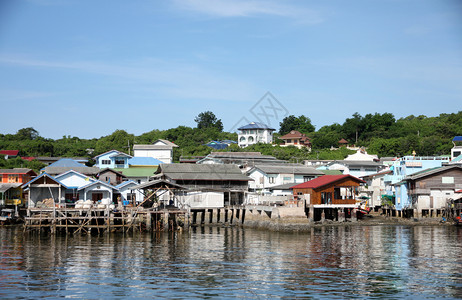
x=331 y=172
x=325 y=180
x=43 y=175
x=74 y=172
x=9 y=152
x=84 y=170
x=159 y=183
x=255 y=125
x=343 y=141
x=431 y=171
x=28 y=158
x=6 y=186
x=117 y=153
x=67 y=163
x=457 y=139
x=216 y=145
x=144 y=161
x=286 y=186
x=111 y=170
x=354 y=163
x=211 y=172
x=167 y=143
x=294 y=134
x=16 y=171
x=121 y=185
x=287 y=169
x=378 y=174
x=137 y=172
x=97 y=182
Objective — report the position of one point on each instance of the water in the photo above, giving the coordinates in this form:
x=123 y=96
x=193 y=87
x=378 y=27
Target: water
x=329 y=262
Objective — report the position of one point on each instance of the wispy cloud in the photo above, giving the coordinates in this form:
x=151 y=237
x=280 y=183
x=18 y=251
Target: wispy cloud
x=167 y=79
x=242 y=8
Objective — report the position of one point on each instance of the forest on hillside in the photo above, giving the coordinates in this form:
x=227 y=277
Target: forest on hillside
x=381 y=134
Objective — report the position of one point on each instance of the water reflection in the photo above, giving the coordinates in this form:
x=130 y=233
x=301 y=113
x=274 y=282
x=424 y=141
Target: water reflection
x=337 y=261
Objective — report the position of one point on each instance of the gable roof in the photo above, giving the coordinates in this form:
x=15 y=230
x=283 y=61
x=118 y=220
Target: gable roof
x=74 y=172
x=159 y=183
x=16 y=171
x=457 y=139
x=97 y=182
x=9 y=152
x=66 y=163
x=117 y=152
x=211 y=172
x=40 y=176
x=165 y=142
x=144 y=161
x=431 y=171
x=255 y=125
x=325 y=180
x=112 y=171
x=294 y=134
x=287 y=169
x=285 y=186
x=125 y=183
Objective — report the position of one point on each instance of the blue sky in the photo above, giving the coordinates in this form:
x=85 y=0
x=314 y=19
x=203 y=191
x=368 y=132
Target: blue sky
x=86 y=68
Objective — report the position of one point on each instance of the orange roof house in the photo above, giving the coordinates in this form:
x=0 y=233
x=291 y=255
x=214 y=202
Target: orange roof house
x=297 y=139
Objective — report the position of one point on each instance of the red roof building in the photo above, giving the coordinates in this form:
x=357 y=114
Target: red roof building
x=297 y=139
x=329 y=189
x=9 y=153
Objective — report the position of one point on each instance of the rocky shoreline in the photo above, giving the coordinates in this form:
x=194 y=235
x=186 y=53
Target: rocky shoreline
x=300 y=224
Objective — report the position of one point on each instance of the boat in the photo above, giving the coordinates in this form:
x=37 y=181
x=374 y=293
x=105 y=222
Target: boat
x=7 y=216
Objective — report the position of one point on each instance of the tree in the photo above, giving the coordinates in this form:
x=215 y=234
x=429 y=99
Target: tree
x=208 y=119
x=301 y=124
x=28 y=133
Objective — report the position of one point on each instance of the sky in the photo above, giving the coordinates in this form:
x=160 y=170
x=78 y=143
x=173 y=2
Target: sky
x=87 y=68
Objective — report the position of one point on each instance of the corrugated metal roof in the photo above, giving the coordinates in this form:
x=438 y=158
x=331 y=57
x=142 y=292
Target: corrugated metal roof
x=66 y=163
x=255 y=125
x=144 y=161
x=431 y=171
x=9 y=152
x=202 y=172
x=83 y=169
x=457 y=139
x=138 y=172
x=288 y=169
x=324 y=180
x=159 y=183
x=15 y=171
x=285 y=186
x=6 y=186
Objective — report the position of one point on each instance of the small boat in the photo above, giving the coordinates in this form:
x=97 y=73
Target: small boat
x=7 y=216
x=458 y=221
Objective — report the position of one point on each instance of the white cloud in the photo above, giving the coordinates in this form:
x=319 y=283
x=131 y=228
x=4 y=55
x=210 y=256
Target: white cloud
x=242 y=8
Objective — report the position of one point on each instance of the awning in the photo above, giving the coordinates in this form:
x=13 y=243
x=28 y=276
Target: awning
x=6 y=186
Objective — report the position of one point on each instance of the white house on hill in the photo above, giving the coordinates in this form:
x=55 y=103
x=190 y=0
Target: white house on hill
x=255 y=133
x=160 y=149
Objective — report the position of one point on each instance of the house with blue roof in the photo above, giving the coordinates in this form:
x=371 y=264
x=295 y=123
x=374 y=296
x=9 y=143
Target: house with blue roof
x=112 y=159
x=65 y=164
x=254 y=133
x=129 y=193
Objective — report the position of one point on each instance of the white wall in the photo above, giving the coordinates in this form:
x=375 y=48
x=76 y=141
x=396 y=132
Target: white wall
x=203 y=199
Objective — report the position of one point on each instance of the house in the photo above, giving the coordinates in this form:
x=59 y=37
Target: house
x=160 y=149
x=457 y=149
x=49 y=160
x=429 y=191
x=129 y=192
x=9 y=153
x=10 y=185
x=266 y=176
x=66 y=164
x=43 y=188
x=405 y=166
x=245 y=160
x=361 y=155
x=329 y=196
x=374 y=188
x=296 y=139
x=98 y=191
x=224 y=183
x=112 y=159
x=111 y=176
x=254 y=133
x=357 y=168
x=143 y=162
x=139 y=175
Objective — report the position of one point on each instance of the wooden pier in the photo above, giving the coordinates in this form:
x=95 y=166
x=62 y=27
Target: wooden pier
x=72 y=220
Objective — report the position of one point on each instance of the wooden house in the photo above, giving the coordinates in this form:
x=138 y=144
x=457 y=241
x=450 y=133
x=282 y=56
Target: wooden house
x=328 y=190
x=111 y=176
x=10 y=185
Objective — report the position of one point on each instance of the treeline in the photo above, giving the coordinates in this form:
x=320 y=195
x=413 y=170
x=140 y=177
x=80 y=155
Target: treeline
x=381 y=134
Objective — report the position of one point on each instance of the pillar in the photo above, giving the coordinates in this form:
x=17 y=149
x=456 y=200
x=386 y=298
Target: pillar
x=341 y=215
x=354 y=217
x=323 y=216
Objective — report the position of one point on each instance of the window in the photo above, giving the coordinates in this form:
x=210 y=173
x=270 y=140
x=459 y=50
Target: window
x=271 y=179
x=250 y=139
x=131 y=197
x=13 y=178
x=242 y=139
x=307 y=178
x=326 y=198
x=106 y=162
x=119 y=162
x=448 y=180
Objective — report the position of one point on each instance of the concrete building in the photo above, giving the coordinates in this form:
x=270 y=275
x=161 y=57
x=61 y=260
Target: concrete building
x=160 y=149
x=254 y=133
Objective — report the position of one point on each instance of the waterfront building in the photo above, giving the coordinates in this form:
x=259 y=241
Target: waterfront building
x=430 y=190
x=10 y=185
x=356 y=168
x=254 y=133
x=112 y=159
x=161 y=150
x=406 y=166
x=267 y=176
